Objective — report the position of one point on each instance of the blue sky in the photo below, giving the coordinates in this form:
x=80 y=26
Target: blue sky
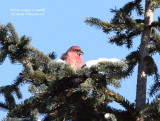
x=61 y=26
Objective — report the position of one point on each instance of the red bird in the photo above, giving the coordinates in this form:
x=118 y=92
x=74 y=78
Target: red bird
x=73 y=57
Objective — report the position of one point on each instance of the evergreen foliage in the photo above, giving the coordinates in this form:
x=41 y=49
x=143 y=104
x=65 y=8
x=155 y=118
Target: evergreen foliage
x=59 y=92
x=125 y=29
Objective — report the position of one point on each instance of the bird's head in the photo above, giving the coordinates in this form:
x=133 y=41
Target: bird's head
x=75 y=49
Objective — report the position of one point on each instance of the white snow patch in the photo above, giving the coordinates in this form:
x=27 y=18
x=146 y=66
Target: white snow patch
x=107 y=115
x=94 y=62
x=60 y=61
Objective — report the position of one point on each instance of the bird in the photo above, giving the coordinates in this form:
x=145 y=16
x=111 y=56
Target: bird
x=73 y=57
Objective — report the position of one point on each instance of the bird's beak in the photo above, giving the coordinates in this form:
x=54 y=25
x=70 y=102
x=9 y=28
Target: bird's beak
x=80 y=52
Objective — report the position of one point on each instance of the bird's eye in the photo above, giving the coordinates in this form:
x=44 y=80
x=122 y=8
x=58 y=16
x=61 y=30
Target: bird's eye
x=78 y=51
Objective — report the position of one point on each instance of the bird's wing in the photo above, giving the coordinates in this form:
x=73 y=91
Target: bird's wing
x=64 y=56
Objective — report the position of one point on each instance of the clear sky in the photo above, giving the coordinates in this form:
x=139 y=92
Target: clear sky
x=55 y=25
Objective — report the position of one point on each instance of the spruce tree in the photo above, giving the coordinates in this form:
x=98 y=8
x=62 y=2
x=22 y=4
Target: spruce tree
x=59 y=92
x=126 y=28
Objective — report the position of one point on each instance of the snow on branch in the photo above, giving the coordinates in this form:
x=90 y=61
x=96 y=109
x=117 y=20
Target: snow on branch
x=95 y=62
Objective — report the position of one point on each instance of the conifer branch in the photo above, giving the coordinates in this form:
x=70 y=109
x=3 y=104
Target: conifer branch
x=122 y=101
x=152 y=111
x=155 y=88
x=13 y=32
x=3 y=106
x=155 y=24
x=129 y=7
x=100 y=24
